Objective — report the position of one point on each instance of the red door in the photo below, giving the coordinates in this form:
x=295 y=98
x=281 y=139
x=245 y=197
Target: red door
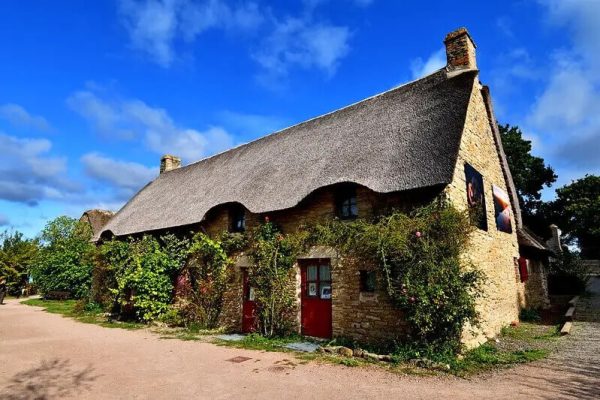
x=316 y=299
x=248 y=307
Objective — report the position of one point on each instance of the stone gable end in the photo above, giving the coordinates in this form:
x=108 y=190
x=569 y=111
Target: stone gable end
x=491 y=251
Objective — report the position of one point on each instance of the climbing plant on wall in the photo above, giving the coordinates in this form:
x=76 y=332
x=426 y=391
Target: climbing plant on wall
x=419 y=258
x=273 y=276
x=209 y=270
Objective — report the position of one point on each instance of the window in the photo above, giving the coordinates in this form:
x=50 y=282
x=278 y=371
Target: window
x=347 y=207
x=237 y=219
x=368 y=281
x=318 y=281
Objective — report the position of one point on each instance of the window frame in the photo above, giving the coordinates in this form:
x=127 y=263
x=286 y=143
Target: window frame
x=237 y=213
x=364 y=279
x=320 y=283
x=347 y=199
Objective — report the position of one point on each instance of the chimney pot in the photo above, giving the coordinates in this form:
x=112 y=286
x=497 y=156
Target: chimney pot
x=169 y=162
x=460 y=50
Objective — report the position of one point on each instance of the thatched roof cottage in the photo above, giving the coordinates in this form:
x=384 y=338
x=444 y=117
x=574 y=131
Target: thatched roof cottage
x=401 y=148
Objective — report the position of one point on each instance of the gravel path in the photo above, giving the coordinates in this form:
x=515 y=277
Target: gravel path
x=46 y=356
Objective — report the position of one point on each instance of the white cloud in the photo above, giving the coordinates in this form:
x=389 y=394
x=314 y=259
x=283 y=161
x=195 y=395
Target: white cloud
x=4 y=220
x=18 y=116
x=435 y=61
x=580 y=18
x=303 y=43
x=567 y=109
x=154 y=26
x=162 y=28
x=124 y=176
x=28 y=174
x=132 y=118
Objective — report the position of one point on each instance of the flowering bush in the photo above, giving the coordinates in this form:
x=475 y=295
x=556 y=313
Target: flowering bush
x=419 y=259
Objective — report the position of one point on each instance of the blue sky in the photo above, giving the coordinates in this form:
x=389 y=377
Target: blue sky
x=92 y=93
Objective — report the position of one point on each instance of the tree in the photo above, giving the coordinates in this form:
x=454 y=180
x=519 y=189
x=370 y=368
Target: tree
x=16 y=256
x=530 y=175
x=576 y=211
x=65 y=259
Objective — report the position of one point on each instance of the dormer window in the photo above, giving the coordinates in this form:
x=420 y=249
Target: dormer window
x=347 y=207
x=237 y=218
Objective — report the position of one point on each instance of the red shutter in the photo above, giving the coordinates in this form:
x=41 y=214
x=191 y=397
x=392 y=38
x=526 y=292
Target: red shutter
x=523 y=269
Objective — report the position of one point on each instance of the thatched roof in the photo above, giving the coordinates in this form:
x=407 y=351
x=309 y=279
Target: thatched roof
x=97 y=219
x=402 y=139
x=529 y=239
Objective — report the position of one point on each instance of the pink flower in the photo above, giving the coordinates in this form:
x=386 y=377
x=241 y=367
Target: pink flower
x=418 y=234
x=412 y=299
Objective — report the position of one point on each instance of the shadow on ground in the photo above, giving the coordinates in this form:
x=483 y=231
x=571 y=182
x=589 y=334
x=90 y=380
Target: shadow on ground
x=52 y=379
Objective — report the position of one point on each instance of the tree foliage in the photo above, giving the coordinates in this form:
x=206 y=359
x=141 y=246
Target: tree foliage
x=16 y=257
x=530 y=175
x=65 y=258
x=576 y=211
x=567 y=274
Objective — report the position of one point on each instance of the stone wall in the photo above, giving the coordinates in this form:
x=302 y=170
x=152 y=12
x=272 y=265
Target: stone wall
x=362 y=316
x=536 y=286
x=492 y=251
x=365 y=317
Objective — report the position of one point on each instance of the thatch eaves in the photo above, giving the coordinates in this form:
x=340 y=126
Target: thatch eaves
x=402 y=139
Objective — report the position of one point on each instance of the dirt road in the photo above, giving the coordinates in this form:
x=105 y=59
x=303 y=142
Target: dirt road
x=46 y=356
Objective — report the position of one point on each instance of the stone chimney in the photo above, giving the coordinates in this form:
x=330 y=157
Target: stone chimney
x=460 y=50
x=169 y=162
x=554 y=242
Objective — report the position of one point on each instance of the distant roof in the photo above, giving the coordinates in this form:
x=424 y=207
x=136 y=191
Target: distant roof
x=97 y=219
x=405 y=138
x=529 y=239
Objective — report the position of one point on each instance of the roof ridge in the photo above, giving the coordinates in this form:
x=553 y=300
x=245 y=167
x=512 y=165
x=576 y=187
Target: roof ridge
x=449 y=75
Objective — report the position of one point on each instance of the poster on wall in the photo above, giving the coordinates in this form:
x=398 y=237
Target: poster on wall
x=475 y=197
x=502 y=210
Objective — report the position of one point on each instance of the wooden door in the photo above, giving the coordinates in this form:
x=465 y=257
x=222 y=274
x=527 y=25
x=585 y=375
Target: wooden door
x=248 y=306
x=315 y=312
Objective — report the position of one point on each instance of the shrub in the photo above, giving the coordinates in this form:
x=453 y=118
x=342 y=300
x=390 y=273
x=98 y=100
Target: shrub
x=530 y=315
x=65 y=259
x=141 y=273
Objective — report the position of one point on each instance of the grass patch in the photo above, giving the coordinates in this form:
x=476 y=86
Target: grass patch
x=516 y=345
x=72 y=309
x=257 y=342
